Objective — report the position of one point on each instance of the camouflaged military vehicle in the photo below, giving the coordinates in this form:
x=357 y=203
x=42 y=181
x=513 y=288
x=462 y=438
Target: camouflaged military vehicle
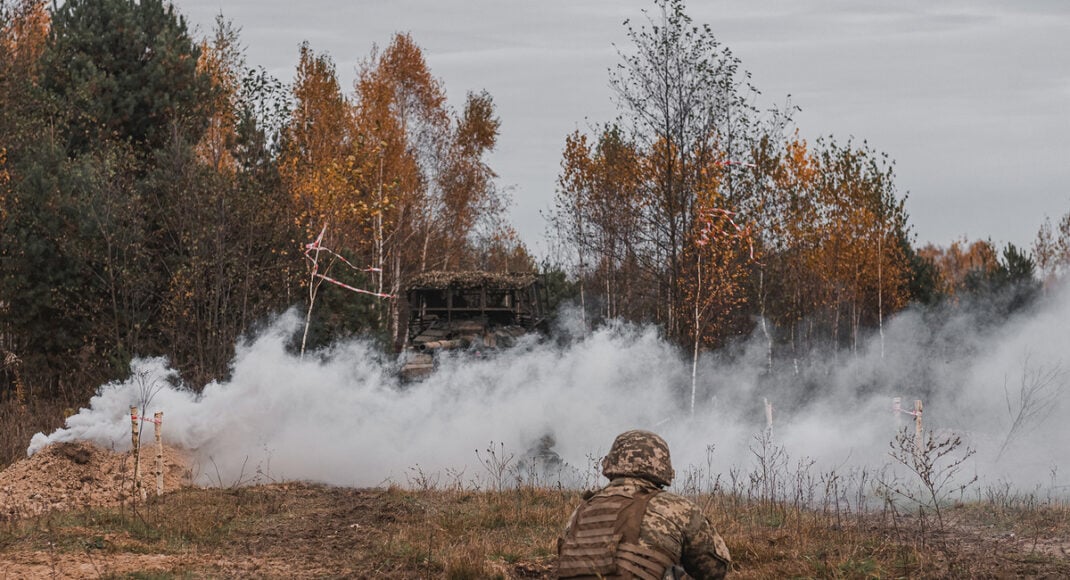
x=473 y=312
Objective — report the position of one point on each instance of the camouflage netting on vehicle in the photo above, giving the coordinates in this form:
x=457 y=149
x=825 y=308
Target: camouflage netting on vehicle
x=472 y=279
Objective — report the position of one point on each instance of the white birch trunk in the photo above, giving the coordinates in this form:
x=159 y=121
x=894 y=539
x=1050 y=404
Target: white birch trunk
x=158 y=423
x=698 y=336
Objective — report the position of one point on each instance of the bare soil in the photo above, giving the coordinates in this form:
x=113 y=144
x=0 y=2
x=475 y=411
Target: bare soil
x=74 y=475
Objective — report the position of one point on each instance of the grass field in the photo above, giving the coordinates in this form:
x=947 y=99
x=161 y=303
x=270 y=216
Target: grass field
x=306 y=530
x=778 y=522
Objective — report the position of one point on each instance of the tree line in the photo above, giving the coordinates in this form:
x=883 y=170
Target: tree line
x=157 y=192
x=158 y=195
x=700 y=212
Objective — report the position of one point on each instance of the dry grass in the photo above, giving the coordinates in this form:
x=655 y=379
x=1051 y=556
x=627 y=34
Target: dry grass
x=303 y=530
x=782 y=519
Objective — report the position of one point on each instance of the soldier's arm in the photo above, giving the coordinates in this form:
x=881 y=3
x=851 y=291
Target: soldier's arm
x=705 y=555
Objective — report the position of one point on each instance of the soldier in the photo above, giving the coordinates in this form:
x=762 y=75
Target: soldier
x=541 y=461
x=633 y=529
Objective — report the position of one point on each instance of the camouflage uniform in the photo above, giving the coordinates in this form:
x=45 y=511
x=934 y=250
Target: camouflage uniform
x=632 y=529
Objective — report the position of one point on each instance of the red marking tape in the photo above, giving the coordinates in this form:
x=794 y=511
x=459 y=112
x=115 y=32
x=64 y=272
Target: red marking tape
x=348 y=287
x=146 y=419
x=317 y=247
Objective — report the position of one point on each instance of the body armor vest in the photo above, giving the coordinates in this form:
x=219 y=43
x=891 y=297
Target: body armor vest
x=604 y=542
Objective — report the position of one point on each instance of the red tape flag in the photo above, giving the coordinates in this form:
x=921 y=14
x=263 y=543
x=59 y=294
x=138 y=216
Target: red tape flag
x=317 y=247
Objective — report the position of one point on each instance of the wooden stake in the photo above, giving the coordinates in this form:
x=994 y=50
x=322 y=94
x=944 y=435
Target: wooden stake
x=133 y=428
x=768 y=414
x=918 y=429
x=135 y=442
x=159 y=453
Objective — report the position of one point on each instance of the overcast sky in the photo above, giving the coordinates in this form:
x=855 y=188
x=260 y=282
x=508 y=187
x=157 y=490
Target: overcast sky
x=970 y=98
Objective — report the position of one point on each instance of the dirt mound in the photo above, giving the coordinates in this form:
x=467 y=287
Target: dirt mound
x=74 y=475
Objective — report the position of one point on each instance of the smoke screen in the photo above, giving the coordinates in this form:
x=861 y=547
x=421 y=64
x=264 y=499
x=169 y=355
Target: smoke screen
x=342 y=416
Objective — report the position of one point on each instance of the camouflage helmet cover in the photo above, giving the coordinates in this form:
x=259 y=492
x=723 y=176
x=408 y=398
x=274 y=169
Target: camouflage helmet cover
x=639 y=454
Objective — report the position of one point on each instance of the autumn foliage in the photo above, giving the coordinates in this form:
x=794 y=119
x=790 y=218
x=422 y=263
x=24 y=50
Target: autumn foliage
x=711 y=218
x=157 y=192
x=157 y=195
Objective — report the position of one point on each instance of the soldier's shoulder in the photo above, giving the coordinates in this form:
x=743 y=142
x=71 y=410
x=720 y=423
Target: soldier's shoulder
x=670 y=497
x=670 y=502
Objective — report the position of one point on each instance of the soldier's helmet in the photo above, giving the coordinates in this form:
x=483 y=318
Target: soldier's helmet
x=639 y=454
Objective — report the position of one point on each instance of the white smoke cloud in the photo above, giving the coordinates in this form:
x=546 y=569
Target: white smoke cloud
x=341 y=416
